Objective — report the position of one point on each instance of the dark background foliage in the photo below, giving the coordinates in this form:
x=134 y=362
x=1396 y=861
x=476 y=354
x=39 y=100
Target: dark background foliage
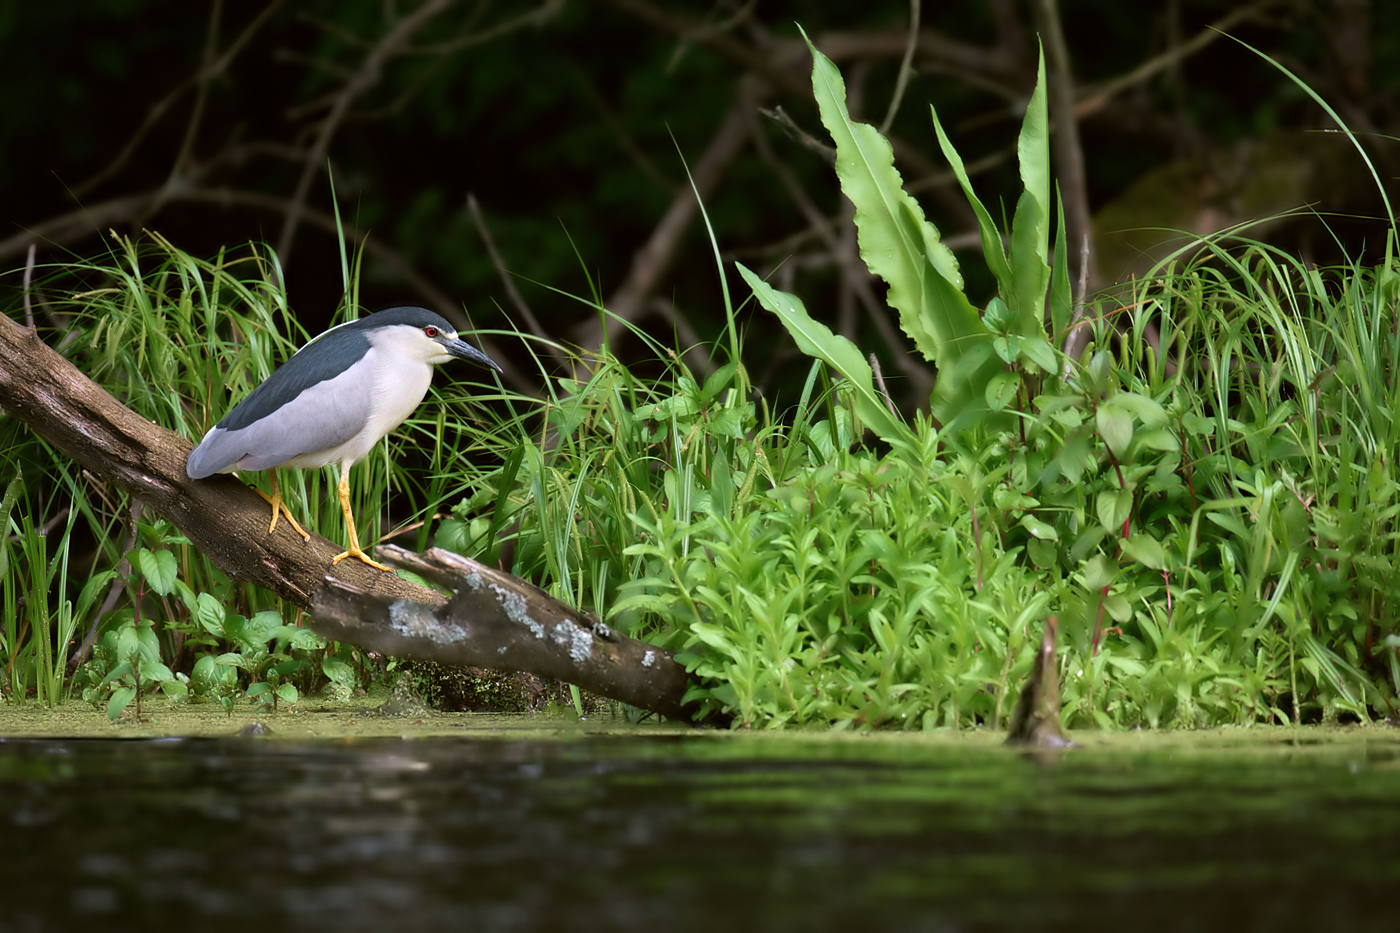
x=569 y=122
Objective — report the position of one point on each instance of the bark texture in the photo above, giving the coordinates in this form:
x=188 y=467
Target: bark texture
x=496 y=620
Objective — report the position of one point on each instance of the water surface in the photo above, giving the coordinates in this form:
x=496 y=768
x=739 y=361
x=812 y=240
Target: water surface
x=696 y=832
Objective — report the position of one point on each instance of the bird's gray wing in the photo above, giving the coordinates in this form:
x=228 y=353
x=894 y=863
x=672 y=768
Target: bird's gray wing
x=320 y=417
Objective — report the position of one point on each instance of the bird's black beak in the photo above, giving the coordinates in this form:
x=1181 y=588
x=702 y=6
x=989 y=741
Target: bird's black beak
x=465 y=351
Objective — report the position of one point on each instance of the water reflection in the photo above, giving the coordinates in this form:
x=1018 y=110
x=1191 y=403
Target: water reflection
x=694 y=833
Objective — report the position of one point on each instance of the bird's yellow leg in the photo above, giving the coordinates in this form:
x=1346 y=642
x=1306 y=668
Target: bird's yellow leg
x=354 y=550
x=279 y=508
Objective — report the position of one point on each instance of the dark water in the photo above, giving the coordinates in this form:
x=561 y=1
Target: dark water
x=692 y=834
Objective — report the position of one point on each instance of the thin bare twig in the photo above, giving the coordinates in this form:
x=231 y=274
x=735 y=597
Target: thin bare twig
x=29 y=277
x=209 y=69
x=651 y=262
x=905 y=68
x=508 y=282
x=1095 y=97
x=366 y=76
x=1069 y=155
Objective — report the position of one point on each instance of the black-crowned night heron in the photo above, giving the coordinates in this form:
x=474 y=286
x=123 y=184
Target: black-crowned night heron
x=332 y=402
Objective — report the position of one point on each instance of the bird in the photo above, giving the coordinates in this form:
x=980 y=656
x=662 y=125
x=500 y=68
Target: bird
x=331 y=402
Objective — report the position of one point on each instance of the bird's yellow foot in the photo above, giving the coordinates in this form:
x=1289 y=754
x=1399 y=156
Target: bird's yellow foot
x=362 y=556
x=279 y=508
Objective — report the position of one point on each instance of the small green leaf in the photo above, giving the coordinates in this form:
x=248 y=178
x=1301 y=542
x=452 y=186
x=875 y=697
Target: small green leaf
x=1113 y=506
x=1143 y=408
x=1118 y=607
x=1146 y=550
x=1039 y=352
x=1002 y=389
x=1115 y=427
x=998 y=317
x=1007 y=347
x=1157 y=439
x=158 y=567
x=1040 y=529
x=1100 y=571
x=1042 y=553
x=120 y=700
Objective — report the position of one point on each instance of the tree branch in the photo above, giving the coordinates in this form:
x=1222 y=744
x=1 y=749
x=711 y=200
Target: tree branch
x=361 y=81
x=502 y=622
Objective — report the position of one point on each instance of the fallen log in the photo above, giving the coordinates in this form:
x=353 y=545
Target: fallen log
x=227 y=520
x=499 y=621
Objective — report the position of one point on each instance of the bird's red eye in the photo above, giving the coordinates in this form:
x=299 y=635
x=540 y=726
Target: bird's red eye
x=430 y=330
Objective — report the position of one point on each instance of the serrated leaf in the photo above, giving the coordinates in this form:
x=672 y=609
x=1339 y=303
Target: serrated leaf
x=896 y=241
x=816 y=339
x=1115 y=427
x=899 y=245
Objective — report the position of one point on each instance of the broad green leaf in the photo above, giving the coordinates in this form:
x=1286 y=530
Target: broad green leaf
x=896 y=241
x=1039 y=352
x=158 y=567
x=1040 y=529
x=1146 y=550
x=1118 y=608
x=1115 y=427
x=120 y=700
x=209 y=613
x=816 y=339
x=1143 y=408
x=1075 y=454
x=1100 y=571
x=1113 y=507
x=1157 y=439
x=1002 y=389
